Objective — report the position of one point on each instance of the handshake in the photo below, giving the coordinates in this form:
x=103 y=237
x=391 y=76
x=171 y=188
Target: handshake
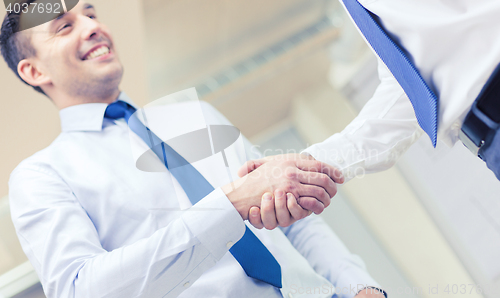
x=279 y=190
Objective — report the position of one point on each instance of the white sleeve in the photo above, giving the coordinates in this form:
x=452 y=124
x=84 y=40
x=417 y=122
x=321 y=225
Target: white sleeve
x=62 y=242
x=316 y=241
x=328 y=255
x=384 y=129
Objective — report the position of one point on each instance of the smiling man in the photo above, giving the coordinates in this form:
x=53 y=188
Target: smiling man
x=93 y=225
x=76 y=61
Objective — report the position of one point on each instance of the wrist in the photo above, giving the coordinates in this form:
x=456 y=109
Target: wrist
x=236 y=198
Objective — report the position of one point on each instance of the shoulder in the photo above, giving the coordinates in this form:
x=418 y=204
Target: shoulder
x=43 y=160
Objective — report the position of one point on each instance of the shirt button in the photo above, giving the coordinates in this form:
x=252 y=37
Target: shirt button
x=340 y=160
x=229 y=244
x=290 y=295
x=456 y=125
x=186 y=284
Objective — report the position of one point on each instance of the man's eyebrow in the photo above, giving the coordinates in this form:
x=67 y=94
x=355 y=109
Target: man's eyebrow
x=53 y=23
x=61 y=15
x=88 y=6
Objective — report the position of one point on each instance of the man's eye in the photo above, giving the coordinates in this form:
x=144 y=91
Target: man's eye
x=63 y=27
x=92 y=16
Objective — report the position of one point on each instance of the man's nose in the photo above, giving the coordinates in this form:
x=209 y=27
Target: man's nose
x=92 y=28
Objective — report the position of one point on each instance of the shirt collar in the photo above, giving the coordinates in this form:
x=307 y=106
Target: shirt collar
x=88 y=116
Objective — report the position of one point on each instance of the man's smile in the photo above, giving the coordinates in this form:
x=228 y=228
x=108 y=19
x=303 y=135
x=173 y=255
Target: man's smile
x=99 y=51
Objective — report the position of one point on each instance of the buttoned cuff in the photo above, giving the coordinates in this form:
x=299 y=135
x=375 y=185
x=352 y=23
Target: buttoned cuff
x=215 y=223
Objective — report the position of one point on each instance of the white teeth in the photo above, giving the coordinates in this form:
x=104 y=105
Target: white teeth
x=98 y=52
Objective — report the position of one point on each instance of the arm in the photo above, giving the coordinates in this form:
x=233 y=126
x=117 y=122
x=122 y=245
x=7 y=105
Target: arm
x=322 y=176
x=329 y=257
x=384 y=129
x=64 y=246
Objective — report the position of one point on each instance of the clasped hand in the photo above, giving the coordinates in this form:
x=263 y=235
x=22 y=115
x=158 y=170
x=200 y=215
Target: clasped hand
x=281 y=189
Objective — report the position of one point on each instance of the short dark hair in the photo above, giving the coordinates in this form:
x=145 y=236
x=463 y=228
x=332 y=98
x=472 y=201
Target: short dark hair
x=13 y=45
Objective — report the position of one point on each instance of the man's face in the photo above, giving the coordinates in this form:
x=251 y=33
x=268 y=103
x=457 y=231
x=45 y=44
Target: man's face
x=76 y=52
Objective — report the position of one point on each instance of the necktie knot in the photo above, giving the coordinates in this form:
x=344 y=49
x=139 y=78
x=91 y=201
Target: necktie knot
x=119 y=109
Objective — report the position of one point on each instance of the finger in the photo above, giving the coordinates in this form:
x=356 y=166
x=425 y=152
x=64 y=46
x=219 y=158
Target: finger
x=321 y=167
x=323 y=198
x=318 y=179
x=249 y=166
x=267 y=211
x=254 y=217
x=282 y=214
x=311 y=204
x=296 y=211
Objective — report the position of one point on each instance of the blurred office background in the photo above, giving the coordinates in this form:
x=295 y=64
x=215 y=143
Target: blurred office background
x=287 y=73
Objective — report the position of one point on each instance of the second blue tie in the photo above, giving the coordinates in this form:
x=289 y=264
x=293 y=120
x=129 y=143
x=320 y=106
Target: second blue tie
x=423 y=99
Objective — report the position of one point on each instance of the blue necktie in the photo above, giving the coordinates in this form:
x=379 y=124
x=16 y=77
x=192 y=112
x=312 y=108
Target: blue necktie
x=423 y=99
x=253 y=256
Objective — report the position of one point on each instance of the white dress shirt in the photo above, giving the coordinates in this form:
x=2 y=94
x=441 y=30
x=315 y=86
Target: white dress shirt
x=93 y=225
x=454 y=44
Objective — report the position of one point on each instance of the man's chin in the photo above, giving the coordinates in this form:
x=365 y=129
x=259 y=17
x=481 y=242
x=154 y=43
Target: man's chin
x=102 y=85
x=108 y=74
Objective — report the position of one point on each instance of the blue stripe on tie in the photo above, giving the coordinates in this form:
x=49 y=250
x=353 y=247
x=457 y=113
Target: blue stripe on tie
x=424 y=101
x=255 y=259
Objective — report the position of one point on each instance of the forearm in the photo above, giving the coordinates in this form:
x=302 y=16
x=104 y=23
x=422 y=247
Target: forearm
x=65 y=248
x=152 y=267
x=384 y=129
x=328 y=255
x=162 y=265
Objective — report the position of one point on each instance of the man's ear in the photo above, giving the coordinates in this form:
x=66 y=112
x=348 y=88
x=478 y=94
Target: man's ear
x=29 y=72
